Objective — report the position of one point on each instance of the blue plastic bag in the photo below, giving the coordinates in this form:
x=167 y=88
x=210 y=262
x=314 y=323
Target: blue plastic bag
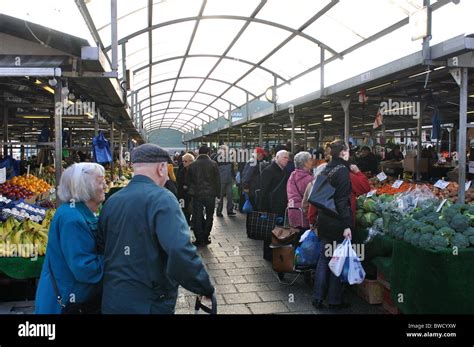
x=307 y=254
x=247 y=208
x=101 y=149
x=237 y=177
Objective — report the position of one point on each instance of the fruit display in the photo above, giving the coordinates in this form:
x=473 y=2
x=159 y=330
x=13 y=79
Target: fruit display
x=48 y=174
x=32 y=183
x=23 y=211
x=25 y=239
x=15 y=192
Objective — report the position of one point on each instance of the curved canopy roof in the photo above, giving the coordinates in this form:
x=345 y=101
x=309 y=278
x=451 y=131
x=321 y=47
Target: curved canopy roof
x=196 y=60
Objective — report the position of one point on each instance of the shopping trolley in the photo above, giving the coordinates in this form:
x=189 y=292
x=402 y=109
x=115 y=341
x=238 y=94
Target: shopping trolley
x=283 y=258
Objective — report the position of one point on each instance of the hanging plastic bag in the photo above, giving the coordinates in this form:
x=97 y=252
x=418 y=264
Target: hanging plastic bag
x=101 y=149
x=356 y=274
x=336 y=264
x=308 y=253
x=237 y=177
x=247 y=208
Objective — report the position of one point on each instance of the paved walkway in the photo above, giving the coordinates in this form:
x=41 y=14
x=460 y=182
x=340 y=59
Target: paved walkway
x=246 y=284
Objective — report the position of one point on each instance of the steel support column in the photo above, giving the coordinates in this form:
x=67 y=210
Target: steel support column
x=462 y=135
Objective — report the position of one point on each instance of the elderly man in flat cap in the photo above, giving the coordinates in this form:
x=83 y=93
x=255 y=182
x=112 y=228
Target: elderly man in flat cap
x=146 y=243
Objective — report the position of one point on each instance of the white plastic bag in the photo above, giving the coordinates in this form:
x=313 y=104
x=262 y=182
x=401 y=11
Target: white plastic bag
x=336 y=264
x=356 y=273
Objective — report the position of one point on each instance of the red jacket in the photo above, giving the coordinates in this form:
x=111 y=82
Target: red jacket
x=360 y=185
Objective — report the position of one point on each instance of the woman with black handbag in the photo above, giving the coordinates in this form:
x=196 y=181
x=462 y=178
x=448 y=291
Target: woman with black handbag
x=72 y=272
x=333 y=227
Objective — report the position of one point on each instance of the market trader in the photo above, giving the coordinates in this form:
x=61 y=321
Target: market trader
x=146 y=243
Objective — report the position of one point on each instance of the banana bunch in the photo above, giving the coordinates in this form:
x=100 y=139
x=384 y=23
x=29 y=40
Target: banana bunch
x=26 y=239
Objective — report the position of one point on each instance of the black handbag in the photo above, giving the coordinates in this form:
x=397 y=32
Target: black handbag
x=322 y=194
x=92 y=306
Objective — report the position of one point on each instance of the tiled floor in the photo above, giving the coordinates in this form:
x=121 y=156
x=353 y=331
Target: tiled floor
x=246 y=284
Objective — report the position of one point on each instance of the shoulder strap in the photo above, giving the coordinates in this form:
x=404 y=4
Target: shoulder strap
x=55 y=286
x=334 y=170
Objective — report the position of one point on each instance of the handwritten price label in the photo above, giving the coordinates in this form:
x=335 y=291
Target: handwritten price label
x=397 y=184
x=382 y=176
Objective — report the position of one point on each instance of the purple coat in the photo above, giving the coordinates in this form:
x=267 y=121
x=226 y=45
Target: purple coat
x=295 y=189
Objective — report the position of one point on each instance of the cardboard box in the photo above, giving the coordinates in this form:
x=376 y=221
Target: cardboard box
x=388 y=303
x=409 y=164
x=371 y=291
x=381 y=279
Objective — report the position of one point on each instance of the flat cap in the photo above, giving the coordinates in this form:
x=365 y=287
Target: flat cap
x=149 y=153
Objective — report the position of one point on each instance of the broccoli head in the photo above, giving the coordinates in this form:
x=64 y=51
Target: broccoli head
x=445 y=232
x=431 y=218
x=415 y=239
x=450 y=212
x=428 y=229
x=418 y=214
x=441 y=223
x=408 y=235
x=460 y=241
x=469 y=232
x=471 y=240
x=460 y=223
x=439 y=242
x=425 y=240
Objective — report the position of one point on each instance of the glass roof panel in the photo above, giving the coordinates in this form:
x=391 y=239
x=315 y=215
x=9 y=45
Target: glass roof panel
x=235 y=95
x=234 y=8
x=256 y=82
x=291 y=14
x=188 y=83
x=301 y=86
x=182 y=95
x=198 y=66
x=214 y=36
x=171 y=40
x=207 y=99
x=296 y=56
x=257 y=41
x=164 y=11
x=221 y=105
x=214 y=87
x=160 y=98
x=230 y=70
x=162 y=87
x=180 y=104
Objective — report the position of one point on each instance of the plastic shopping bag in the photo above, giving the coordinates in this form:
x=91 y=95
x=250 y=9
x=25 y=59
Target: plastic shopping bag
x=247 y=208
x=356 y=273
x=308 y=253
x=237 y=177
x=336 y=264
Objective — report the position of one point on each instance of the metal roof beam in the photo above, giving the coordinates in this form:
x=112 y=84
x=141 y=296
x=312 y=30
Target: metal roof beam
x=213 y=56
x=186 y=91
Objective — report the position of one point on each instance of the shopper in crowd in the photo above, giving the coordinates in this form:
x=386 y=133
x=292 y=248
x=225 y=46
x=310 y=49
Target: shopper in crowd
x=72 y=261
x=227 y=174
x=146 y=243
x=295 y=188
x=333 y=228
x=204 y=187
x=360 y=185
x=251 y=176
x=306 y=206
x=273 y=193
x=367 y=161
x=395 y=154
x=183 y=185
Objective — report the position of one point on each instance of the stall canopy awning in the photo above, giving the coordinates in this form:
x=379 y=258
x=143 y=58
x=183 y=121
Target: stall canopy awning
x=196 y=60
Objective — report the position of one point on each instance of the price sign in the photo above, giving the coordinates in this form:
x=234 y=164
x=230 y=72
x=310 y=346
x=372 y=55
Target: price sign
x=468 y=185
x=441 y=184
x=382 y=176
x=3 y=175
x=397 y=184
x=371 y=193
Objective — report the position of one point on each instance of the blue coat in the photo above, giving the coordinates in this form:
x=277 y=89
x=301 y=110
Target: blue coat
x=72 y=252
x=147 y=251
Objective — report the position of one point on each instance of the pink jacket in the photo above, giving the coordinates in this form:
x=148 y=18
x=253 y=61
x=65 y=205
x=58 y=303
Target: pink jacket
x=295 y=189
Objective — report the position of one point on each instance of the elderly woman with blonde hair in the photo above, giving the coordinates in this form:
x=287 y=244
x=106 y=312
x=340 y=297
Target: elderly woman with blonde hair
x=73 y=268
